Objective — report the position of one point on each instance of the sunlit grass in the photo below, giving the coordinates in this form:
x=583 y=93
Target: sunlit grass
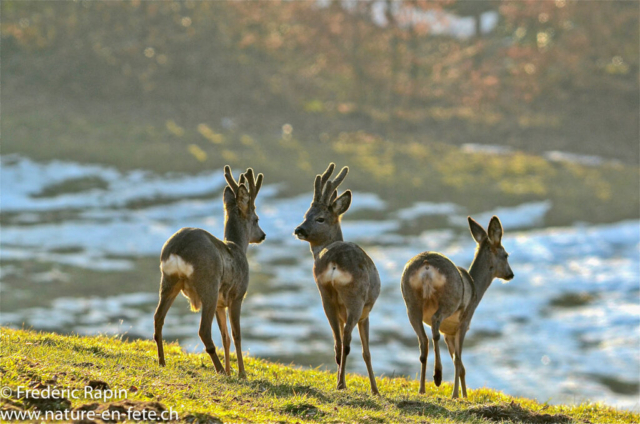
x=272 y=392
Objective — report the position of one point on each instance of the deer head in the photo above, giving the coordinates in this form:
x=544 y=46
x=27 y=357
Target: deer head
x=491 y=242
x=239 y=203
x=321 y=223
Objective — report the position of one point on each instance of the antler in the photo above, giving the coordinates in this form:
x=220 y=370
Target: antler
x=254 y=184
x=325 y=190
x=330 y=191
x=321 y=180
x=232 y=182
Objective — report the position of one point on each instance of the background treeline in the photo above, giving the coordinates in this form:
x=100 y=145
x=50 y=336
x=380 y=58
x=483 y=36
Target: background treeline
x=563 y=66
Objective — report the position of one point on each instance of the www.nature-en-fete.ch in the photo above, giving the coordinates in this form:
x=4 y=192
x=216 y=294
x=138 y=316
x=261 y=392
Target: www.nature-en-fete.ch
x=81 y=415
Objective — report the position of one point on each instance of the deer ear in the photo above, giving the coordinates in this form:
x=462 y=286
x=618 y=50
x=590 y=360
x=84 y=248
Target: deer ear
x=342 y=203
x=243 y=199
x=495 y=230
x=477 y=232
x=228 y=197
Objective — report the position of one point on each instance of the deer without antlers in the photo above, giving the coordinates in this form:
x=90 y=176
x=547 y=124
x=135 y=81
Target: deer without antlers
x=445 y=296
x=213 y=274
x=346 y=277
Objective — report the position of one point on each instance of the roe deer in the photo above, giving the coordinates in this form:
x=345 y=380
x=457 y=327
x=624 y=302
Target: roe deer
x=346 y=277
x=445 y=297
x=211 y=273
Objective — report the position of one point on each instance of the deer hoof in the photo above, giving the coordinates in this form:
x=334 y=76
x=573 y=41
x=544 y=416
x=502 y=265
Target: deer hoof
x=437 y=377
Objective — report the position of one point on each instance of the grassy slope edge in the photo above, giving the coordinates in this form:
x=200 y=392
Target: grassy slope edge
x=273 y=392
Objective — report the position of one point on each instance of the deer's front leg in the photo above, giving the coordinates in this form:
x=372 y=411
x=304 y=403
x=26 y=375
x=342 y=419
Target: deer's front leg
x=451 y=344
x=221 y=317
x=459 y=342
x=234 y=318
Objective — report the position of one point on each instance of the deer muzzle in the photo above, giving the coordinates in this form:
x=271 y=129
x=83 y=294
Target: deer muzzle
x=301 y=233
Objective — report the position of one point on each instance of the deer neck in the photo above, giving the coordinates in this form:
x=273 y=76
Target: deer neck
x=481 y=272
x=335 y=235
x=235 y=231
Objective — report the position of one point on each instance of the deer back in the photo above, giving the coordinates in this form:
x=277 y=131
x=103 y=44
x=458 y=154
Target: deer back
x=196 y=255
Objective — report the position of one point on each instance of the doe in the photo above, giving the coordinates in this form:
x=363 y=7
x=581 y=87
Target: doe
x=445 y=297
x=213 y=274
x=347 y=279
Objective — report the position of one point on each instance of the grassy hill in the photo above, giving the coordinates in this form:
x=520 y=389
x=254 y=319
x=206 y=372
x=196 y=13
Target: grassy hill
x=272 y=392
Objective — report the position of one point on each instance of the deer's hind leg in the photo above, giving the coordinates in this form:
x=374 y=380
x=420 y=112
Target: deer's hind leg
x=335 y=322
x=209 y=298
x=352 y=320
x=363 y=328
x=414 y=312
x=169 y=289
x=436 y=320
x=221 y=317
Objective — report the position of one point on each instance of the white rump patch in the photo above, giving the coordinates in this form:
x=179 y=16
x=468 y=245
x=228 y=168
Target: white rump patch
x=176 y=265
x=335 y=276
x=427 y=279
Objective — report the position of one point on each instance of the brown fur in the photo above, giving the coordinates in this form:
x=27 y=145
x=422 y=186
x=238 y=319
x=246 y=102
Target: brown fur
x=213 y=274
x=445 y=296
x=346 y=276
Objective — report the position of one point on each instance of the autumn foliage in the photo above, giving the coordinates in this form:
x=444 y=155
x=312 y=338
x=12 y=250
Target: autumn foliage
x=331 y=55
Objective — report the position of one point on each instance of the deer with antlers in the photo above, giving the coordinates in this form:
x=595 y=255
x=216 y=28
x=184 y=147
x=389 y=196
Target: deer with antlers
x=445 y=296
x=213 y=274
x=347 y=278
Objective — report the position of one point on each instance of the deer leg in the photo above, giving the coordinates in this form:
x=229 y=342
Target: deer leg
x=168 y=292
x=335 y=323
x=459 y=342
x=352 y=320
x=208 y=311
x=436 y=319
x=414 y=310
x=234 y=318
x=363 y=328
x=221 y=317
x=452 y=345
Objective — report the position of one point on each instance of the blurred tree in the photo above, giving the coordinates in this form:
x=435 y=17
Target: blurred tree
x=334 y=59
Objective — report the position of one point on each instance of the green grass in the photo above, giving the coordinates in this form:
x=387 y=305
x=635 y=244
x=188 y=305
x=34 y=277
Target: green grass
x=272 y=392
